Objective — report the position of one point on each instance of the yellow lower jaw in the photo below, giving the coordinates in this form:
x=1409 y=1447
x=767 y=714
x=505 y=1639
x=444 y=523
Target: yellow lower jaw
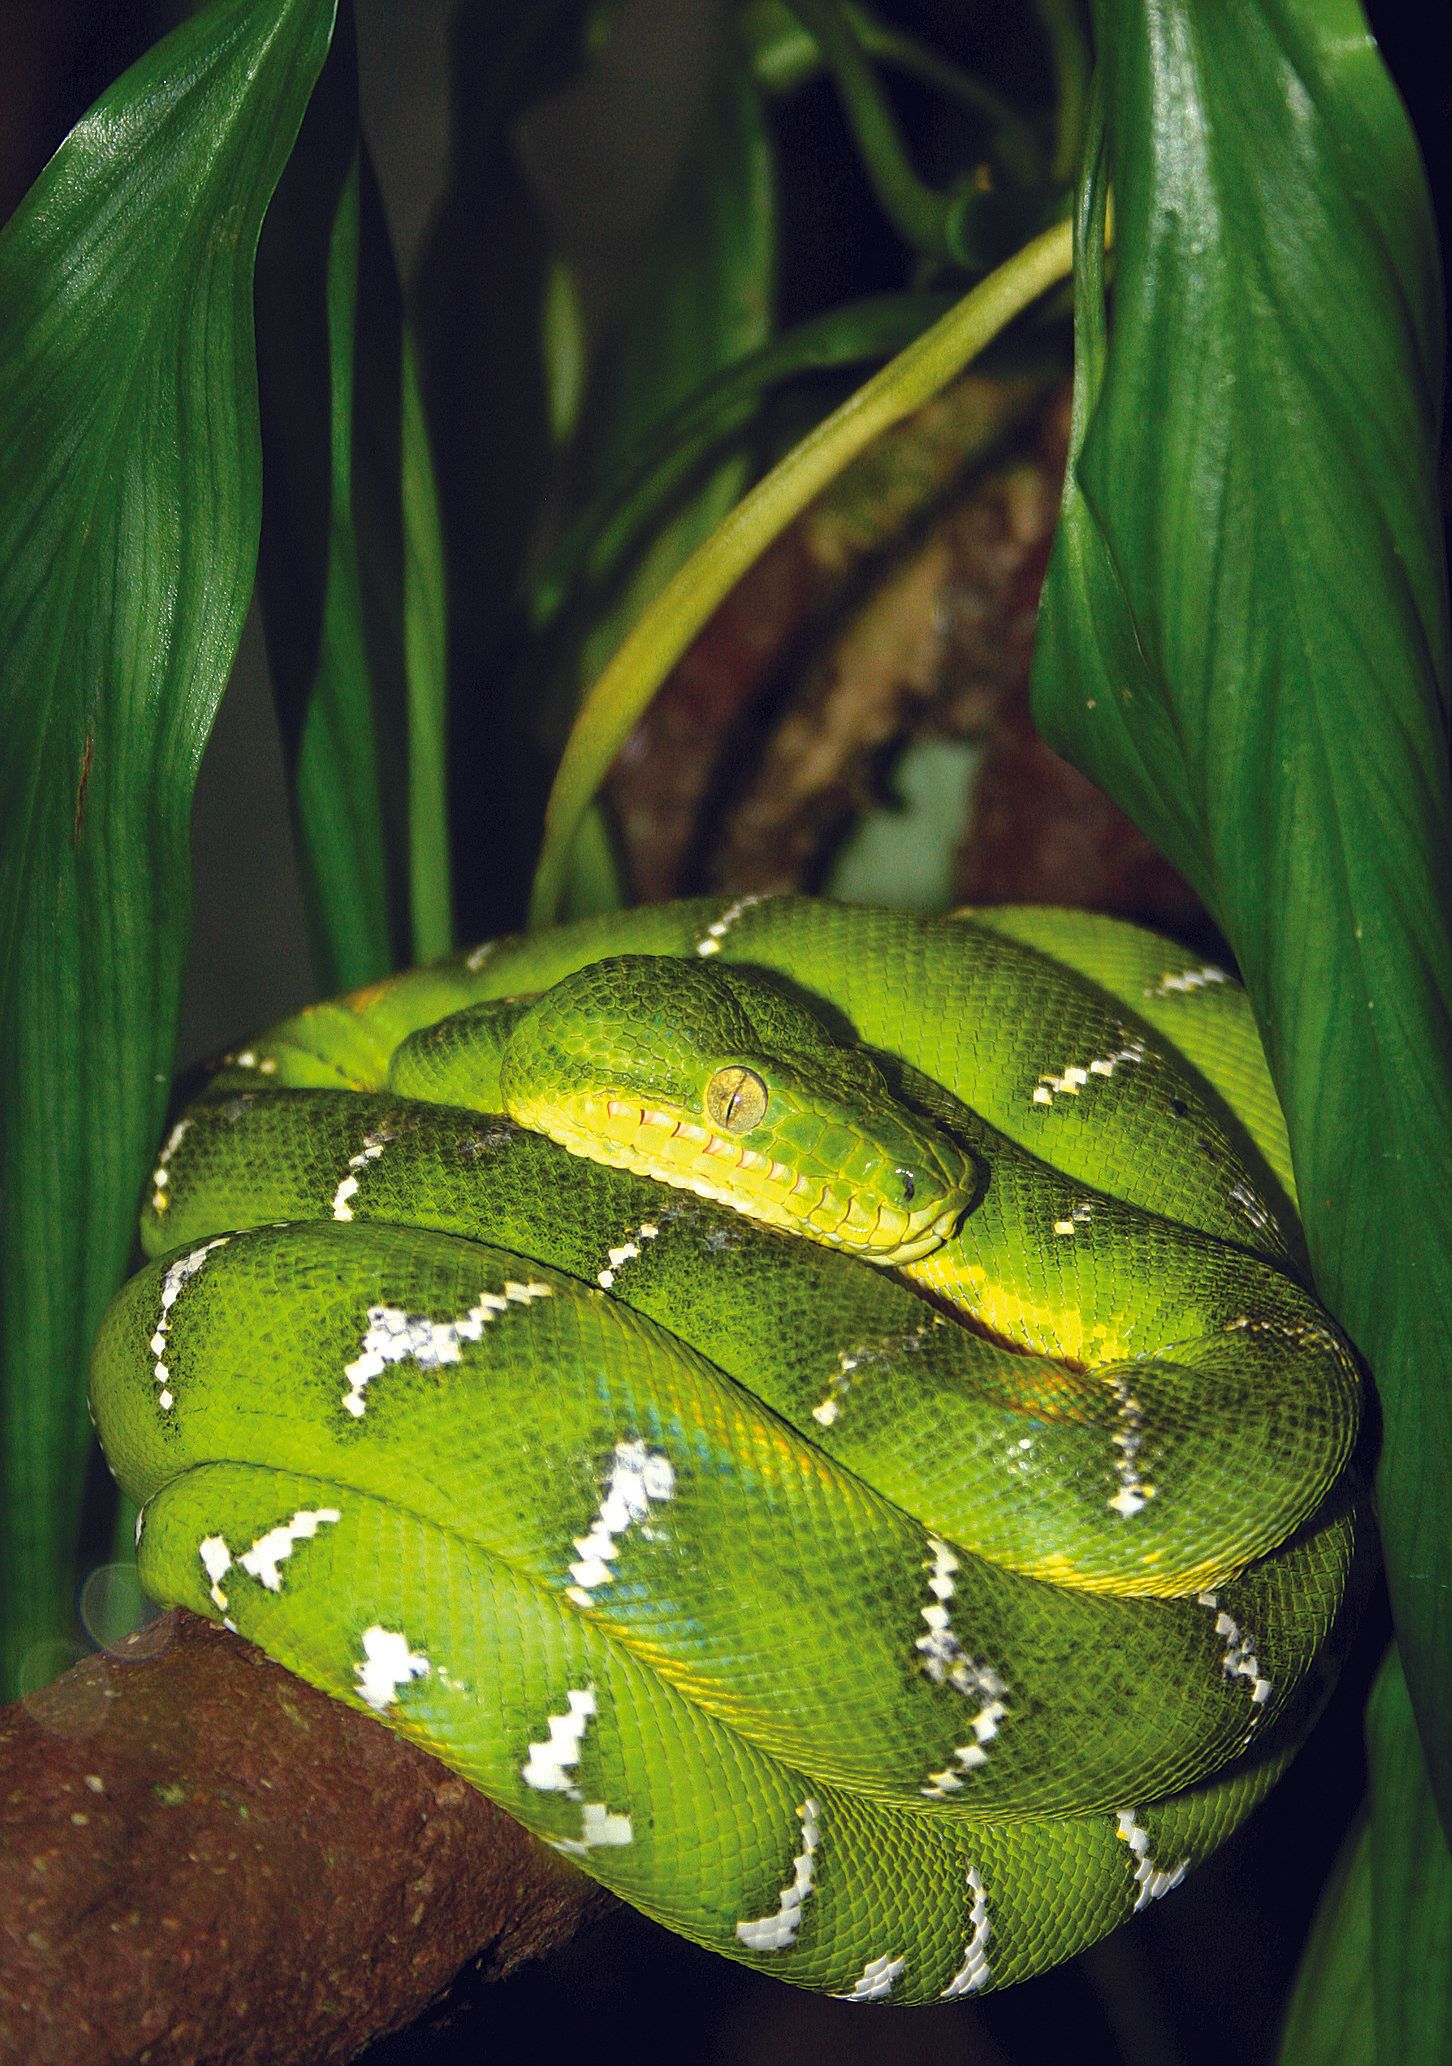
x=655 y=1144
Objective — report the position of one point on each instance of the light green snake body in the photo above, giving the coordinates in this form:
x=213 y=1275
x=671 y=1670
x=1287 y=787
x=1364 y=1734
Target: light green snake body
x=896 y=1629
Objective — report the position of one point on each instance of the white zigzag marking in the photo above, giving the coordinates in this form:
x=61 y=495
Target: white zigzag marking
x=373 y=1146
x=1076 y=1076
x=710 y=941
x=161 y=1175
x=394 y=1335
x=272 y=1550
x=777 y=1932
x=1172 y=984
x=638 y=1477
x=1153 y=1884
x=626 y=1253
x=1135 y=1492
x=177 y=1275
x=878 y=1978
x=974 y=1971
x=946 y=1662
x=1239 y=1661
x=550 y=1766
x=387 y=1664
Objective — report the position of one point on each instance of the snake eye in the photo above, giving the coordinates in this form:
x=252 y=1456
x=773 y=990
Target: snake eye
x=909 y=1185
x=735 y=1099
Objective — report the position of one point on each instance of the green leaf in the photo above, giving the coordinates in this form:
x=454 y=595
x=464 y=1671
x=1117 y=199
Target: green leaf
x=1244 y=640
x=426 y=677
x=1411 y=1883
x=342 y=572
x=1365 y=1993
x=1332 y=2016
x=500 y=364
x=703 y=305
x=128 y=538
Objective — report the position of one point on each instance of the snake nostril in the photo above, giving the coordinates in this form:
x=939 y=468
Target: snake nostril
x=909 y=1185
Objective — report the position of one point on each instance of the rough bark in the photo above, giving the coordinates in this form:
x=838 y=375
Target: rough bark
x=202 y=1858
x=900 y=606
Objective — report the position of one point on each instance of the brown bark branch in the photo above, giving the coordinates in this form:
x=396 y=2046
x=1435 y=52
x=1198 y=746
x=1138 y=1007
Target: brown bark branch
x=202 y=1858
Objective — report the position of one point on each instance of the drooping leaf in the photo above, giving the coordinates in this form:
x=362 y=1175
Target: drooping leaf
x=501 y=366
x=1244 y=634
x=1366 y=1993
x=361 y=702
x=128 y=539
x=1244 y=641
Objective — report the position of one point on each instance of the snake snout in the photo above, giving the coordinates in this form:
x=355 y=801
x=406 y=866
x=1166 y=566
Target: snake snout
x=713 y=1081
x=921 y=1195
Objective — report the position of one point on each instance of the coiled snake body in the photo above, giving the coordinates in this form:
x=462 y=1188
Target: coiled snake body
x=898 y=1629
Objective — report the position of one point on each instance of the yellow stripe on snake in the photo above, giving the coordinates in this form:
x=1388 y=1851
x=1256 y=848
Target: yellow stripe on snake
x=850 y=1458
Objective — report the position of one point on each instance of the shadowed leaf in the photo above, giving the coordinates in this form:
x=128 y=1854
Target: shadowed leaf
x=351 y=564
x=1244 y=641
x=128 y=538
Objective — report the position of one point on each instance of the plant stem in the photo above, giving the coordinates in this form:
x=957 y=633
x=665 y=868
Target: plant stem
x=918 y=213
x=622 y=693
x=1019 y=150
x=610 y=526
x=1062 y=22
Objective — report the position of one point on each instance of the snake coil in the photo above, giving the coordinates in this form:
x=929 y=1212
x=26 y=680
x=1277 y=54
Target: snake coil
x=509 y=1366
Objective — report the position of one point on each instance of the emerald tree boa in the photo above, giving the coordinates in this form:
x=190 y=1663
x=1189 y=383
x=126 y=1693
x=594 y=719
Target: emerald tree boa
x=816 y=1411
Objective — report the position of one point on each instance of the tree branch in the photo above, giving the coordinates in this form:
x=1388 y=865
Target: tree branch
x=202 y=1857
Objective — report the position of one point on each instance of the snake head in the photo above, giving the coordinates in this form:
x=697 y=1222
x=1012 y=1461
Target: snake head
x=713 y=1080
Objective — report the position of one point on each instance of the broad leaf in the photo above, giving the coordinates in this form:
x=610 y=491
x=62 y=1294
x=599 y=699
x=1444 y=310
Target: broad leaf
x=351 y=559
x=1411 y=1884
x=1364 y=1993
x=1332 y=2015
x=1244 y=641
x=128 y=539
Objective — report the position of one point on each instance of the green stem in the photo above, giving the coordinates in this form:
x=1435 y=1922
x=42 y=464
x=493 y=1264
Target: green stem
x=785 y=56
x=622 y=693
x=919 y=214
x=611 y=524
x=1062 y=22
x=1019 y=150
